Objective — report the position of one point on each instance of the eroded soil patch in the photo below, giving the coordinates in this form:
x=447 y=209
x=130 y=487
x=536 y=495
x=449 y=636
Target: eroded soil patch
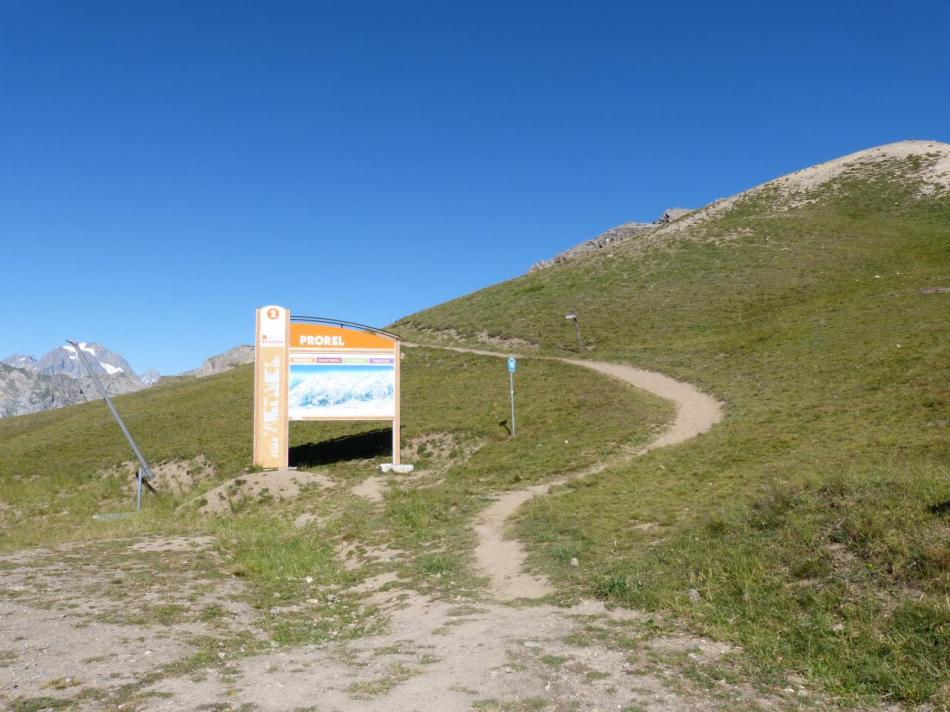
x=273 y=485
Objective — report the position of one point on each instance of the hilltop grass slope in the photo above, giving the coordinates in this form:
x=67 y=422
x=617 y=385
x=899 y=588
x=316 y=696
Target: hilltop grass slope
x=59 y=467
x=811 y=527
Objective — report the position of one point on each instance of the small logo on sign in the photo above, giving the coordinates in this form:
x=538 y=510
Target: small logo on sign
x=272 y=313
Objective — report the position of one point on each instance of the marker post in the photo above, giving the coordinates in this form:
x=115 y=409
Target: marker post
x=512 y=365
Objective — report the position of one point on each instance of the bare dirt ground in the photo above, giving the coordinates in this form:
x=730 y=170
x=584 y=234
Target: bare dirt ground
x=139 y=638
x=278 y=484
x=162 y=624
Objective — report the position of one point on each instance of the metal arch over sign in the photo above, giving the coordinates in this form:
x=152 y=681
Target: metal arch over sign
x=331 y=372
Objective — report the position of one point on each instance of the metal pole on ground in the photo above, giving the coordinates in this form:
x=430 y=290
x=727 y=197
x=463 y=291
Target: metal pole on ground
x=145 y=473
x=573 y=317
x=512 y=365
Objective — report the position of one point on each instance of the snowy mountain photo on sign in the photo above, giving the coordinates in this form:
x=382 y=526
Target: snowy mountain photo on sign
x=338 y=391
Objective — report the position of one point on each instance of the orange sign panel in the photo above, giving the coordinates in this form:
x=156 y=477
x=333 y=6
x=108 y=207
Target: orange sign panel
x=323 y=336
x=342 y=374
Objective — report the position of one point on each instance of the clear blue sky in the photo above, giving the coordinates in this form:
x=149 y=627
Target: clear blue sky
x=166 y=167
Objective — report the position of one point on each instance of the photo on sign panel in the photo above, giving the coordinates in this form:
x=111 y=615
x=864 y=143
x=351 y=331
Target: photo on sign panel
x=348 y=386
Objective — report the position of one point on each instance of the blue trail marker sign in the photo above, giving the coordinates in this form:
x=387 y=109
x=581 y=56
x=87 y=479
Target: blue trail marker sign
x=512 y=365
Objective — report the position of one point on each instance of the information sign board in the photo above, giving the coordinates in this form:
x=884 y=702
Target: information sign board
x=310 y=370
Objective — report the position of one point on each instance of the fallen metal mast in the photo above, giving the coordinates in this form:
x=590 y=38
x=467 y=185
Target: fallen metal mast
x=145 y=472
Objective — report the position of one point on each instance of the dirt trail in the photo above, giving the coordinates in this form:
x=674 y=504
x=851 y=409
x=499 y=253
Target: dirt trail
x=503 y=559
x=69 y=639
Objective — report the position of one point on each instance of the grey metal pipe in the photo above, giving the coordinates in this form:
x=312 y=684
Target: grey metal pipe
x=147 y=471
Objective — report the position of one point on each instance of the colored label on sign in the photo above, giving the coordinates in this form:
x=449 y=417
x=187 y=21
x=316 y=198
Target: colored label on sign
x=324 y=336
x=512 y=364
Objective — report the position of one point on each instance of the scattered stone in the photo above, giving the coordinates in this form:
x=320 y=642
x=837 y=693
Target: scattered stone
x=308 y=518
x=605 y=239
x=611 y=237
x=671 y=214
x=398 y=469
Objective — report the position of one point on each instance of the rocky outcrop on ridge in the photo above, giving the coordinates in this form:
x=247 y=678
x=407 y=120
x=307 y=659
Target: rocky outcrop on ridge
x=224 y=362
x=611 y=237
x=151 y=377
x=671 y=214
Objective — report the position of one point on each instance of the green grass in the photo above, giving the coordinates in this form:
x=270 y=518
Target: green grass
x=812 y=325
x=55 y=466
x=58 y=468
x=38 y=704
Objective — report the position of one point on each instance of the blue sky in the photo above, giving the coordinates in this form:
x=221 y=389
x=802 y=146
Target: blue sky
x=166 y=167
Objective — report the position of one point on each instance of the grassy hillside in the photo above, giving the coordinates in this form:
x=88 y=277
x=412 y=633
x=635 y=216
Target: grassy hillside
x=59 y=467
x=811 y=527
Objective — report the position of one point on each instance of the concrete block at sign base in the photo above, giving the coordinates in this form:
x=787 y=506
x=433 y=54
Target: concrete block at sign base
x=398 y=469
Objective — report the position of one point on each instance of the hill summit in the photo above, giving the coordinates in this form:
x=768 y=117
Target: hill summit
x=926 y=162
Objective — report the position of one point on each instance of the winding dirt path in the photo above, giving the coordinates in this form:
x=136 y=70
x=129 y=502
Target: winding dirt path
x=453 y=655
x=502 y=559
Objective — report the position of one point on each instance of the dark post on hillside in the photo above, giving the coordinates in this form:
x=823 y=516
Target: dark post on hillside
x=512 y=365
x=572 y=315
x=145 y=472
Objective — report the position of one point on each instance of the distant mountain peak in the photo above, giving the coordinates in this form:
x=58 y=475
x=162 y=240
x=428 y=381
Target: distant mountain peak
x=24 y=361
x=59 y=378
x=65 y=360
